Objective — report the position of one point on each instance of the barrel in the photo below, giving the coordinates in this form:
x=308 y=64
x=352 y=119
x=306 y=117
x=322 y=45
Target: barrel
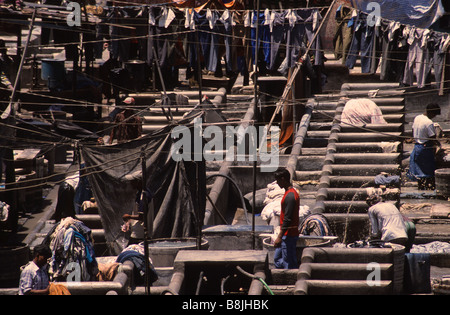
x=53 y=71
x=12 y=258
x=136 y=70
x=442 y=179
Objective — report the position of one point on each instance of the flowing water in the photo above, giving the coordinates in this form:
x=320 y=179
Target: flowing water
x=348 y=212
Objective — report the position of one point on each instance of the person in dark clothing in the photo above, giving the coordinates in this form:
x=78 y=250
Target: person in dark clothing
x=286 y=242
x=128 y=124
x=5 y=64
x=134 y=222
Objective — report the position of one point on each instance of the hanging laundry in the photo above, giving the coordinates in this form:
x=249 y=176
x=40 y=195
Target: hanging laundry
x=441 y=48
x=344 y=33
x=227 y=21
x=362 y=44
x=394 y=54
x=441 y=65
x=278 y=31
x=165 y=38
x=312 y=19
x=167 y=16
x=417 y=40
x=189 y=19
x=263 y=37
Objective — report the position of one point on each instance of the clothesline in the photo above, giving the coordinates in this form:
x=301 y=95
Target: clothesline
x=417 y=50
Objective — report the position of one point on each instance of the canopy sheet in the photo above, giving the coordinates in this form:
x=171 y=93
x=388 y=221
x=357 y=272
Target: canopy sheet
x=175 y=186
x=419 y=13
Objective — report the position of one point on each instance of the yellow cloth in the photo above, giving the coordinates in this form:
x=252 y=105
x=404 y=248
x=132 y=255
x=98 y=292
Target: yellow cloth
x=58 y=289
x=107 y=272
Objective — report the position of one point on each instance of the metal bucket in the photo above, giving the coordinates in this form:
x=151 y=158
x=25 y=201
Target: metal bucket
x=136 y=70
x=164 y=250
x=53 y=71
x=442 y=179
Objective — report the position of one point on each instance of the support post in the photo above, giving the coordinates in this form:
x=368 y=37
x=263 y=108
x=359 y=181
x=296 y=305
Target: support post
x=144 y=202
x=19 y=72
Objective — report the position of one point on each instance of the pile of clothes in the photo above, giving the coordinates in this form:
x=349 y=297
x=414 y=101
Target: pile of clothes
x=433 y=247
x=73 y=256
x=315 y=225
x=272 y=203
x=135 y=253
x=4 y=211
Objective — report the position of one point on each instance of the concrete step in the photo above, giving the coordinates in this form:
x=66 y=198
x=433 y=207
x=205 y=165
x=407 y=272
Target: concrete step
x=343 y=287
x=326 y=105
x=92 y=221
x=390 y=118
x=350 y=181
x=369 y=86
x=385 y=109
x=364 y=169
x=369 y=137
x=348 y=271
x=323 y=114
x=314 y=126
x=347 y=206
x=359 y=147
x=318 y=134
x=367 y=158
x=357 y=194
x=380 y=94
x=392 y=127
x=308 y=175
x=332 y=206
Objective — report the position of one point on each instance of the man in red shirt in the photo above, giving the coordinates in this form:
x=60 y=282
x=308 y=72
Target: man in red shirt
x=286 y=242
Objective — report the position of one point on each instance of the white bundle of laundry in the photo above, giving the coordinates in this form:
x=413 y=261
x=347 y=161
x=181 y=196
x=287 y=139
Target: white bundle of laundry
x=272 y=203
x=433 y=247
x=4 y=211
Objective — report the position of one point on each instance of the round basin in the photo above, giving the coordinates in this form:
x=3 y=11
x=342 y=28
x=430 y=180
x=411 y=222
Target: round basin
x=164 y=250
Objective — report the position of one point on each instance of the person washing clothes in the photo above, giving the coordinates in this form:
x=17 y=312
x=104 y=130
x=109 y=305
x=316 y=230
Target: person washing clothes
x=134 y=222
x=422 y=161
x=388 y=224
x=285 y=244
x=361 y=111
x=128 y=124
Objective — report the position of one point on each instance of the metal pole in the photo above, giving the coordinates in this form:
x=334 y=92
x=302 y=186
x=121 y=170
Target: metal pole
x=144 y=201
x=199 y=69
x=155 y=56
x=19 y=72
x=256 y=118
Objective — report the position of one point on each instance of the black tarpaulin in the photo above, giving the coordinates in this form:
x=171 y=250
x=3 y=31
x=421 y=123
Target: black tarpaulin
x=177 y=186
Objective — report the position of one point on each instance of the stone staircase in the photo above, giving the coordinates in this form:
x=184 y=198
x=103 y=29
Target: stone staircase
x=355 y=155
